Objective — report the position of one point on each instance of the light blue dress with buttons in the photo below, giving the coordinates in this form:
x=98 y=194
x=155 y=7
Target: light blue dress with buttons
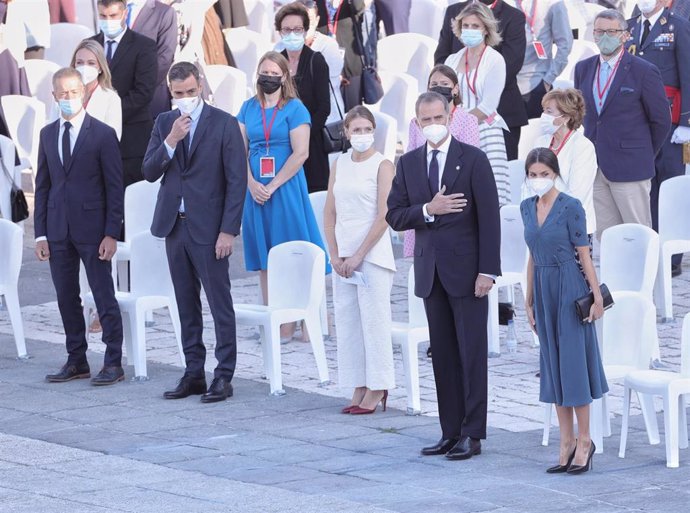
x=570 y=364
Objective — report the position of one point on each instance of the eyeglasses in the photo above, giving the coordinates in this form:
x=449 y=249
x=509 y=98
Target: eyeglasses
x=608 y=32
x=287 y=31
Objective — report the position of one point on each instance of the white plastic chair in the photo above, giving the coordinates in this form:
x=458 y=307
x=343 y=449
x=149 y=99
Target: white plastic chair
x=671 y=386
x=674 y=236
x=409 y=53
x=25 y=117
x=247 y=48
x=228 y=86
x=86 y=13
x=150 y=288
x=592 y=10
x=318 y=203
x=39 y=74
x=386 y=135
x=426 y=17
x=398 y=101
x=296 y=283
x=408 y=335
x=64 y=38
x=516 y=173
x=528 y=136
x=260 y=14
x=11 y=245
x=581 y=50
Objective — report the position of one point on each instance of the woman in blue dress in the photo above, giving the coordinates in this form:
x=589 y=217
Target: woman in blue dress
x=275 y=125
x=570 y=365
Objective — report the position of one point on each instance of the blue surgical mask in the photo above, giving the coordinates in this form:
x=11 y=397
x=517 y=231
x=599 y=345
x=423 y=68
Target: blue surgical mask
x=111 y=28
x=70 y=107
x=471 y=37
x=293 y=42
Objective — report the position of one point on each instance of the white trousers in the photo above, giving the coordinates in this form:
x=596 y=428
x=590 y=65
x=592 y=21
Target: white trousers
x=363 y=328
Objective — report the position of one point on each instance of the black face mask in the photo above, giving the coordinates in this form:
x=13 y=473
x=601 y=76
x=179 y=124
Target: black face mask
x=487 y=2
x=268 y=83
x=446 y=92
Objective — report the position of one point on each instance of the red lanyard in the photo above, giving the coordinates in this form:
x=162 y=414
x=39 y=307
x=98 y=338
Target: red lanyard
x=267 y=130
x=560 y=146
x=532 y=16
x=333 y=27
x=493 y=5
x=473 y=85
x=601 y=93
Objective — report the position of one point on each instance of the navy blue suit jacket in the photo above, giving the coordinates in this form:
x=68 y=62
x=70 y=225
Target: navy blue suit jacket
x=86 y=200
x=458 y=246
x=634 y=121
x=213 y=184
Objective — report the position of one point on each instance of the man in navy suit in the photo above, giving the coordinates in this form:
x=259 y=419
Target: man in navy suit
x=445 y=191
x=395 y=15
x=78 y=216
x=198 y=153
x=627 y=119
x=663 y=39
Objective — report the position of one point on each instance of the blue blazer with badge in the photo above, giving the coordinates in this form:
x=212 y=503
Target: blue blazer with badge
x=634 y=120
x=667 y=47
x=84 y=201
x=213 y=183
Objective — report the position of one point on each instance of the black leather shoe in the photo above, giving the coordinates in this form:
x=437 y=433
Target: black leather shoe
x=70 y=372
x=439 y=448
x=465 y=449
x=219 y=390
x=676 y=270
x=108 y=376
x=187 y=386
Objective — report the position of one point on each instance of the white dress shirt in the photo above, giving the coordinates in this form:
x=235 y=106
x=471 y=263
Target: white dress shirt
x=652 y=21
x=441 y=158
x=116 y=39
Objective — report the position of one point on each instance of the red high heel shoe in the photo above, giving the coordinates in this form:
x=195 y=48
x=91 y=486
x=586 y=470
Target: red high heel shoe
x=358 y=410
x=348 y=409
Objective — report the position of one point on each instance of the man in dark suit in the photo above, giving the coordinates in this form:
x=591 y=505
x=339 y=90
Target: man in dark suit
x=663 y=39
x=445 y=191
x=199 y=152
x=133 y=65
x=627 y=118
x=78 y=216
x=395 y=15
x=511 y=24
x=156 y=21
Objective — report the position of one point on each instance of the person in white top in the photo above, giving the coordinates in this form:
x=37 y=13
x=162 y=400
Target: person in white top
x=564 y=110
x=362 y=257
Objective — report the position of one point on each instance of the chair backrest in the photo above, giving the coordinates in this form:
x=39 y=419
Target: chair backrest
x=25 y=117
x=318 y=203
x=64 y=38
x=513 y=247
x=149 y=271
x=416 y=314
x=11 y=246
x=409 y=53
x=629 y=331
x=426 y=17
x=140 y=203
x=228 y=86
x=629 y=256
x=685 y=347
x=248 y=47
x=86 y=13
x=260 y=14
x=39 y=74
x=674 y=209
x=386 y=135
x=398 y=101
x=581 y=50
x=528 y=136
x=516 y=174
x=296 y=275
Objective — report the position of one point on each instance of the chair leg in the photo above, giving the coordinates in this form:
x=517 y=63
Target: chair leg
x=87 y=320
x=317 y=347
x=177 y=328
x=683 y=423
x=649 y=415
x=596 y=424
x=272 y=355
x=410 y=360
x=626 y=418
x=323 y=312
x=128 y=334
x=671 y=401
x=547 y=424
x=138 y=327
x=667 y=285
x=606 y=415
x=492 y=324
x=15 y=313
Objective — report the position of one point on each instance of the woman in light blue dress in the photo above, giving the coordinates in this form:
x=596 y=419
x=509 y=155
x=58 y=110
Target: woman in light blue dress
x=571 y=372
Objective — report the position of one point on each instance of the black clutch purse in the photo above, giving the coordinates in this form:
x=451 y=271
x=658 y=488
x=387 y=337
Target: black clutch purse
x=18 y=204
x=584 y=304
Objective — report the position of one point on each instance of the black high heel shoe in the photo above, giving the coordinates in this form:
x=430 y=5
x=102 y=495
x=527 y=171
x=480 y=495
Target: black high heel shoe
x=559 y=469
x=580 y=469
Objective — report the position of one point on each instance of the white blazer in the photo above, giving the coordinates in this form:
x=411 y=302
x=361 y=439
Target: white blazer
x=7 y=155
x=104 y=105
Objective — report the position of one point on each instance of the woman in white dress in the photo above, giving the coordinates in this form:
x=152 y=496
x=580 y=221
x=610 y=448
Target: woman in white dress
x=362 y=257
x=482 y=74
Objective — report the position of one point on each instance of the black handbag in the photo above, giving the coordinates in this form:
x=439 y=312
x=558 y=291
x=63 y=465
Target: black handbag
x=334 y=139
x=372 y=89
x=18 y=204
x=584 y=304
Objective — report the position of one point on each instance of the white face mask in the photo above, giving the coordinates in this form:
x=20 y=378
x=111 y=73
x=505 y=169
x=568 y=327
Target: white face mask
x=186 y=105
x=546 y=124
x=646 y=6
x=88 y=73
x=435 y=133
x=361 y=142
x=540 y=186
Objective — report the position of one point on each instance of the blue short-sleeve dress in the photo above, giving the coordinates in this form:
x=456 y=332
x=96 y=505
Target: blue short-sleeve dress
x=570 y=364
x=288 y=215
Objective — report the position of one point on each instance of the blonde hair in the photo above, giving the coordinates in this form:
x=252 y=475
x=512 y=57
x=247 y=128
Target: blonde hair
x=288 y=90
x=104 y=77
x=570 y=103
x=486 y=17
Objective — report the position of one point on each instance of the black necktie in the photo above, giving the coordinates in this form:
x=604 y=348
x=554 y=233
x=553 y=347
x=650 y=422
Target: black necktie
x=645 y=31
x=66 y=150
x=109 y=52
x=185 y=150
x=433 y=172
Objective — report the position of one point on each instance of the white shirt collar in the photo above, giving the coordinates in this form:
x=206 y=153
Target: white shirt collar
x=652 y=19
x=77 y=121
x=443 y=148
x=117 y=38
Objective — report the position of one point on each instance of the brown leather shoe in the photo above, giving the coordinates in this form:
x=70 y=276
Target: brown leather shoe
x=108 y=376
x=70 y=372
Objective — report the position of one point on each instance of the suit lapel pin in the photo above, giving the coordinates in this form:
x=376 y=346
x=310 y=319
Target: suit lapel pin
x=457 y=168
x=670 y=27
x=633 y=49
x=662 y=21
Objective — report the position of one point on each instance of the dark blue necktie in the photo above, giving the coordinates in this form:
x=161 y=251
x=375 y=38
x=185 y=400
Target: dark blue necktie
x=66 y=150
x=109 y=52
x=433 y=172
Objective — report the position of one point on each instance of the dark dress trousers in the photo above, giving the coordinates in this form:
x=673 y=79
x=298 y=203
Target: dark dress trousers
x=211 y=177
x=395 y=15
x=511 y=24
x=312 y=80
x=75 y=208
x=135 y=71
x=449 y=254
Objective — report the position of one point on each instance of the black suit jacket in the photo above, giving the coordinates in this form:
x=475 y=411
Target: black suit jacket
x=457 y=246
x=134 y=69
x=511 y=23
x=86 y=200
x=213 y=184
